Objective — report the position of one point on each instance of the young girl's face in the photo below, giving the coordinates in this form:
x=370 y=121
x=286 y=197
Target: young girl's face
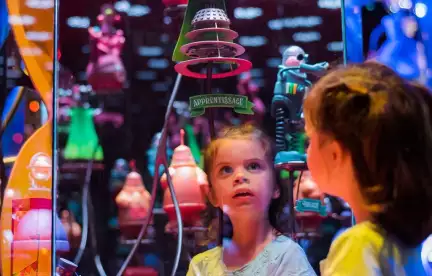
x=242 y=178
x=327 y=165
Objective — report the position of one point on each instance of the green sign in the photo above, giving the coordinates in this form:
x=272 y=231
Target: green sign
x=240 y=104
x=311 y=205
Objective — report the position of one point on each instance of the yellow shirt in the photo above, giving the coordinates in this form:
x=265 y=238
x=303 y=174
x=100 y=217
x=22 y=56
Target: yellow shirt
x=364 y=250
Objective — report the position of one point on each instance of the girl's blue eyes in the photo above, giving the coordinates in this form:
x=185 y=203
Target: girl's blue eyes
x=226 y=170
x=254 y=166
x=250 y=167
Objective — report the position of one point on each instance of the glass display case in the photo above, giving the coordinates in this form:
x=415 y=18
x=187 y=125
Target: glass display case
x=107 y=107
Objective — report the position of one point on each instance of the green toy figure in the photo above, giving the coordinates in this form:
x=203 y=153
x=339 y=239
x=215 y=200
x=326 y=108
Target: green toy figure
x=83 y=141
x=291 y=86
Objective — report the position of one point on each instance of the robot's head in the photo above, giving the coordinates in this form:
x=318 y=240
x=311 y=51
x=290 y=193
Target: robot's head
x=294 y=56
x=108 y=14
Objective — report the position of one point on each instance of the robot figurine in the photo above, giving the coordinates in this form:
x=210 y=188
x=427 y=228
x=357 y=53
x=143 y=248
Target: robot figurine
x=190 y=183
x=291 y=86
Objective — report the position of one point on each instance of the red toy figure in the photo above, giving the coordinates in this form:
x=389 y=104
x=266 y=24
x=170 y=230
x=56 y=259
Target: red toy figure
x=189 y=182
x=105 y=71
x=133 y=202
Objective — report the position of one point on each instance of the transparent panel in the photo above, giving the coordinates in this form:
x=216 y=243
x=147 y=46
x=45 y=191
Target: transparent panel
x=117 y=76
x=26 y=138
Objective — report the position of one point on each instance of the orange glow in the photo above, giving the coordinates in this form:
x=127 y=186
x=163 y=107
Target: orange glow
x=34 y=106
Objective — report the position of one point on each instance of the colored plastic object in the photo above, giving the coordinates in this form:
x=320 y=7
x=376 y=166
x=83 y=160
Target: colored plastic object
x=133 y=202
x=206 y=37
x=106 y=72
x=189 y=182
x=290 y=88
x=83 y=140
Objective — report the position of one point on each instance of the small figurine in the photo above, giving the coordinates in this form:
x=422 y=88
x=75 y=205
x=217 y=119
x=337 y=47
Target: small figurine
x=400 y=51
x=105 y=71
x=291 y=86
x=133 y=202
x=83 y=141
x=72 y=228
x=190 y=183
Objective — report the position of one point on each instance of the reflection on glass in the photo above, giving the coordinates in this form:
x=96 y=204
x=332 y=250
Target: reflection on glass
x=395 y=33
x=27 y=208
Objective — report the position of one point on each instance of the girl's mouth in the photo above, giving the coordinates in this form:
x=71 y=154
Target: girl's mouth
x=242 y=194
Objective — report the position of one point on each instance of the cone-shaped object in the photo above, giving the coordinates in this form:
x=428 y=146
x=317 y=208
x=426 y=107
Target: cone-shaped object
x=206 y=37
x=133 y=202
x=83 y=138
x=189 y=181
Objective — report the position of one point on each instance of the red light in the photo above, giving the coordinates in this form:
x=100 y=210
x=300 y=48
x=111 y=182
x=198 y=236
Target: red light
x=34 y=106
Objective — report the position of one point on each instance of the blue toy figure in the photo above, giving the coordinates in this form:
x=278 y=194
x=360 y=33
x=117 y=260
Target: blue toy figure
x=400 y=50
x=291 y=86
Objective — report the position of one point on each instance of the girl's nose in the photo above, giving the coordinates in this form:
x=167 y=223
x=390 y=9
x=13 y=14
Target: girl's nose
x=240 y=178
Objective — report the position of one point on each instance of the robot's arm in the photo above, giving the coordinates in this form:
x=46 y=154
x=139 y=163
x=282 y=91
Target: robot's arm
x=164 y=179
x=313 y=68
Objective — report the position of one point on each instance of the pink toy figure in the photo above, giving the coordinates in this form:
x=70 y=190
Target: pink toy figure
x=247 y=87
x=189 y=182
x=133 y=202
x=105 y=71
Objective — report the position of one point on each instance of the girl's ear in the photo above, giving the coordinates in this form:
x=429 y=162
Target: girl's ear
x=208 y=192
x=212 y=198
